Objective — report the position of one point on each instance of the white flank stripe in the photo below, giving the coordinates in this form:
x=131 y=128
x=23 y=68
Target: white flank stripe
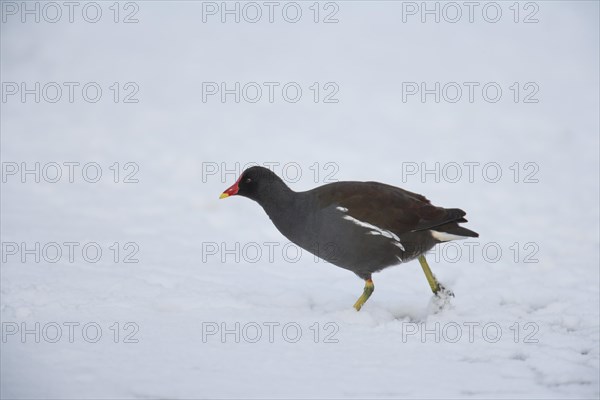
x=375 y=230
x=445 y=237
x=400 y=245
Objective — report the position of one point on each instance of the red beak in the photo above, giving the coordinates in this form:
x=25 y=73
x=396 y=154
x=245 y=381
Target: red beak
x=232 y=190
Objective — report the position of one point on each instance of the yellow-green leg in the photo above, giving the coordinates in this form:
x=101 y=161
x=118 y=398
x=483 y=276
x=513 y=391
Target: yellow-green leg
x=433 y=283
x=367 y=292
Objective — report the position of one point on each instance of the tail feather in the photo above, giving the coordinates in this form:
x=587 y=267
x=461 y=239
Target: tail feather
x=452 y=231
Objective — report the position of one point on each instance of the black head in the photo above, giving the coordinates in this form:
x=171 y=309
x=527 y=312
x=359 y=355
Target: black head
x=258 y=184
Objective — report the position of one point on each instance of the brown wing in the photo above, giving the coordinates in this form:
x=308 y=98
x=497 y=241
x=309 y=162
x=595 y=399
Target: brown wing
x=387 y=207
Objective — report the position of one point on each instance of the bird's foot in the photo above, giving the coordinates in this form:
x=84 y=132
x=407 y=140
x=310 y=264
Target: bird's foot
x=441 y=300
x=367 y=291
x=359 y=303
x=443 y=292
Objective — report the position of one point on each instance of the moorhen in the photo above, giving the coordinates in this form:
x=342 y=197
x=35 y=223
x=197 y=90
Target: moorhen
x=363 y=227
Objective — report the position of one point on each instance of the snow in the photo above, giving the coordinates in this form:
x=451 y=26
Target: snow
x=213 y=273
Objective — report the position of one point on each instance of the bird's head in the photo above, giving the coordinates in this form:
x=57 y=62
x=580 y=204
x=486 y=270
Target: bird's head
x=256 y=183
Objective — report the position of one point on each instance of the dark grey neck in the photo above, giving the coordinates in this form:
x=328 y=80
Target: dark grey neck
x=288 y=210
x=278 y=200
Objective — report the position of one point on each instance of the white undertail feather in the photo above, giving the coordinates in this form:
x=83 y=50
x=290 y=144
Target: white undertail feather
x=445 y=237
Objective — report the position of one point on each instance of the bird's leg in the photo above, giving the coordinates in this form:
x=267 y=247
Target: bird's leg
x=433 y=283
x=436 y=287
x=368 y=290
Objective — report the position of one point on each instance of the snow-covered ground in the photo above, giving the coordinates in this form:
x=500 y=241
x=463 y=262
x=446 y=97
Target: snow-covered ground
x=218 y=304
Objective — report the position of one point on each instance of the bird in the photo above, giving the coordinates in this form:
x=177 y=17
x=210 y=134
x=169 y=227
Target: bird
x=363 y=227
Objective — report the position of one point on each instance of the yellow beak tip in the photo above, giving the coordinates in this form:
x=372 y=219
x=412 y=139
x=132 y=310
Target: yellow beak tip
x=223 y=195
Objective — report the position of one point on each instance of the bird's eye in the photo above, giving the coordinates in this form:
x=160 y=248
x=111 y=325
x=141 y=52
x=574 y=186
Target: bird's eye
x=248 y=180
